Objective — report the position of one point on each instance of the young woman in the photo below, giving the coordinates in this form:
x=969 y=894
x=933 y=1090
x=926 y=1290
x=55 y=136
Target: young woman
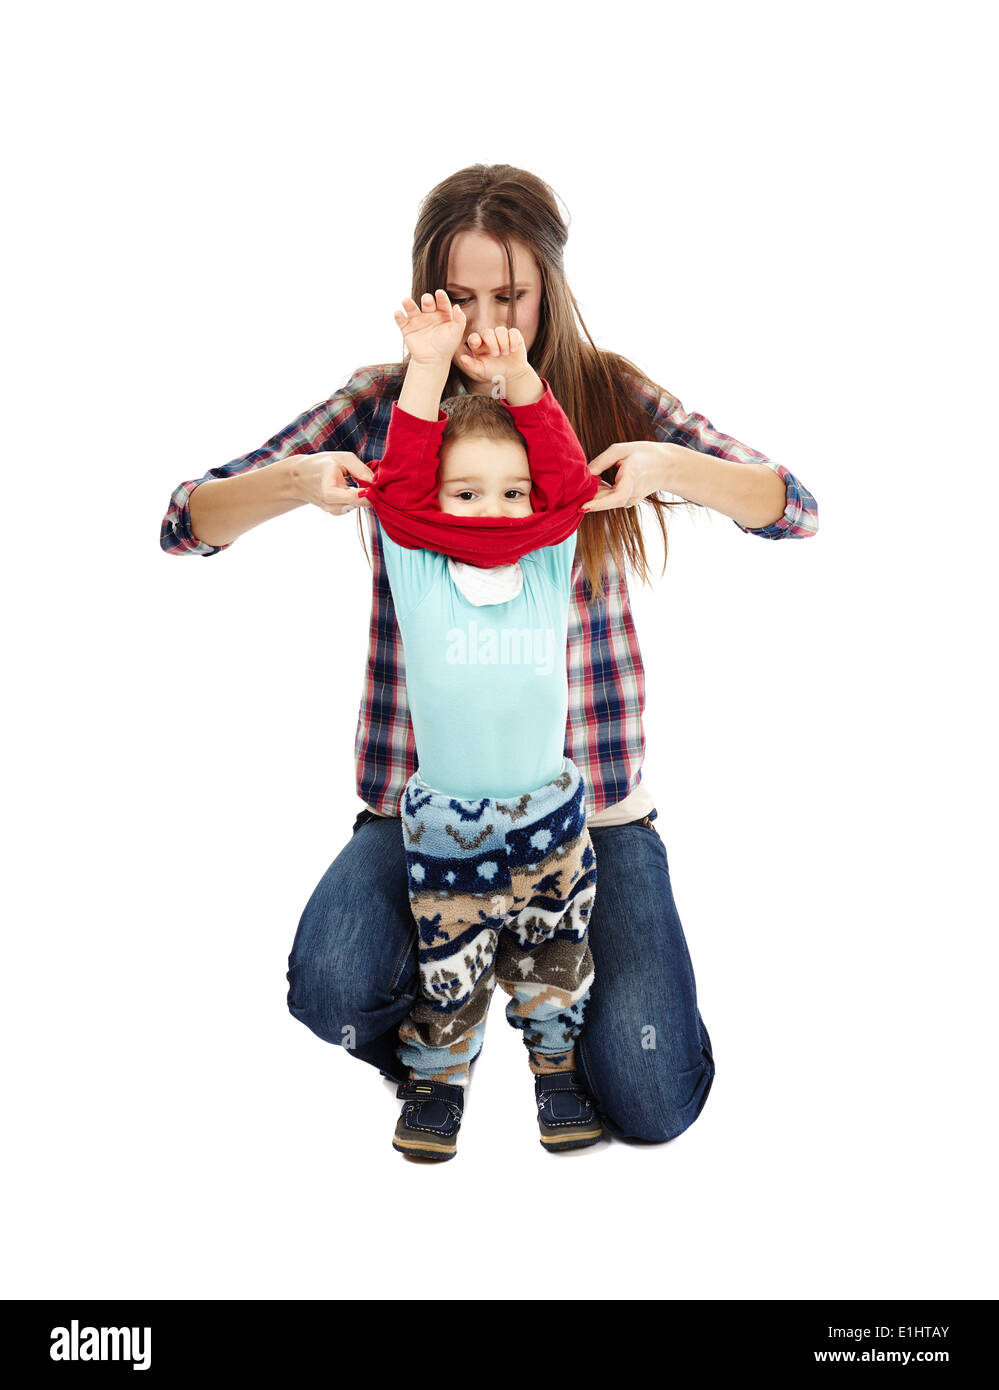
x=492 y=237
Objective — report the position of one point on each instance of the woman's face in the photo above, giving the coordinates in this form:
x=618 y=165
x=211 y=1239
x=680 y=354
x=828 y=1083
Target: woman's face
x=478 y=281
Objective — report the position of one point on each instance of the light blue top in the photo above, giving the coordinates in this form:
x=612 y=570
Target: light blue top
x=487 y=684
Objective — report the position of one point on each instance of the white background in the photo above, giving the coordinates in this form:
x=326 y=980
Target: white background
x=781 y=213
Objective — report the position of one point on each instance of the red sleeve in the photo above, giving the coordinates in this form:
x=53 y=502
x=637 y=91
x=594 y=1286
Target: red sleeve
x=406 y=474
x=559 y=469
x=404 y=495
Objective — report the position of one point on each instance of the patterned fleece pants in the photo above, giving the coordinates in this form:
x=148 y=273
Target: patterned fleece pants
x=501 y=890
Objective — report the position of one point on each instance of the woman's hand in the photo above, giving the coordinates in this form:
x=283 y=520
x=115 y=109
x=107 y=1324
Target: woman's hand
x=640 y=472
x=500 y=351
x=322 y=480
x=432 y=329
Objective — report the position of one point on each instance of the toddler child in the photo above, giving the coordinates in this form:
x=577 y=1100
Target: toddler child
x=478 y=537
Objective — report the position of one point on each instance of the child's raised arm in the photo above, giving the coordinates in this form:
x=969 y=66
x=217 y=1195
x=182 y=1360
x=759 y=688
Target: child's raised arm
x=560 y=474
x=405 y=477
x=432 y=331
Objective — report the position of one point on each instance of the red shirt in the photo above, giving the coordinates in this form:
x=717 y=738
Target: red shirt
x=404 y=493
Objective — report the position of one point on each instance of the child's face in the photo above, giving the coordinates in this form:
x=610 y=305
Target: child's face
x=485 y=477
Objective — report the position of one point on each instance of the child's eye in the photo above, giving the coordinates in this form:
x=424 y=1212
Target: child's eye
x=514 y=492
x=465 y=496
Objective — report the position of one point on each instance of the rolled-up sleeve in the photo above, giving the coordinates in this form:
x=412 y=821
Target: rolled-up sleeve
x=337 y=424
x=801 y=511
x=674 y=425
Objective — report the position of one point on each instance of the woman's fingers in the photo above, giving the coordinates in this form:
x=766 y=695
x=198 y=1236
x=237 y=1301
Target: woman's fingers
x=614 y=453
x=345 y=461
x=346 y=497
x=339 y=501
x=616 y=494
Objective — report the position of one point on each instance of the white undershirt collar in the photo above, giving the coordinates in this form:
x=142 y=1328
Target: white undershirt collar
x=482 y=586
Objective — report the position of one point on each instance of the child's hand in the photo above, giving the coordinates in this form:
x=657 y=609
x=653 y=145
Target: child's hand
x=431 y=332
x=503 y=353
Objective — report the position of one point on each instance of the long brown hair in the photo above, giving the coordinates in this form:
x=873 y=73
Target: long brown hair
x=591 y=384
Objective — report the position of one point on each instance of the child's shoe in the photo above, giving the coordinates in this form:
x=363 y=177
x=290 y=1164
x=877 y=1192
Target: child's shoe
x=430 y=1120
x=567 y=1116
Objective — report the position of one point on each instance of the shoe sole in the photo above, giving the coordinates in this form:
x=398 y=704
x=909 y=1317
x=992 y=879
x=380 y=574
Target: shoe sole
x=431 y=1151
x=555 y=1142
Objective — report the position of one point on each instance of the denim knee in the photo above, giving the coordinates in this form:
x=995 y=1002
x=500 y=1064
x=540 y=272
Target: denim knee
x=314 y=1000
x=657 y=1106
x=338 y=1009
x=660 y=1114
x=345 y=983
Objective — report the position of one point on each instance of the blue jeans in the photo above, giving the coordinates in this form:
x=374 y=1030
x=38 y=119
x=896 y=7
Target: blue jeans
x=644 y=1054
